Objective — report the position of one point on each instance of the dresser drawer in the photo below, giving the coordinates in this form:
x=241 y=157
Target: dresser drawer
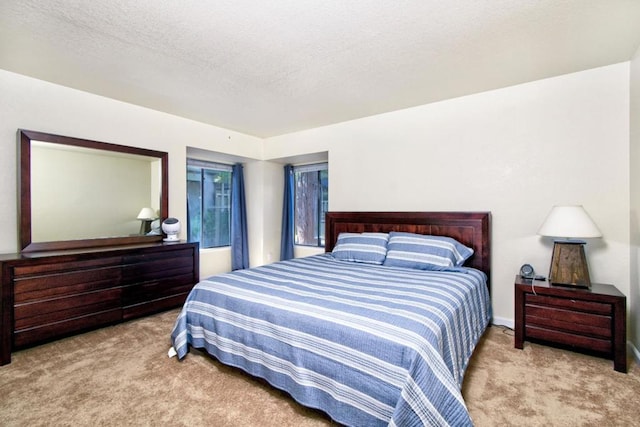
x=155 y=289
x=145 y=267
x=144 y=308
x=61 y=266
x=49 y=331
x=63 y=283
x=54 y=310
x=140 y=273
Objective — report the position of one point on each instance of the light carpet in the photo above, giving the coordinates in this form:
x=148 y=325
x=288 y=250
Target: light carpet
x=121 y=375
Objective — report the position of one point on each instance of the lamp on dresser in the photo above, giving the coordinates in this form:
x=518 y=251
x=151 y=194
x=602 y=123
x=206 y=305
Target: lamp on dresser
x=569 y=225
x=146 y=216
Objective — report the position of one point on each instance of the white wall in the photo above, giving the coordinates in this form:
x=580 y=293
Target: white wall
x=515 y=152
x=37 y=105
x=264 y=224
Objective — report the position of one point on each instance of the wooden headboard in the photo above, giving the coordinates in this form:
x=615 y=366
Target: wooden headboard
x=472 y=229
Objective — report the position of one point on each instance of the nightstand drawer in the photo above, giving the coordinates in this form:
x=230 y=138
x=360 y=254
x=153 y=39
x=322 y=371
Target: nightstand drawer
x=580 y=341
x=568 y=321
x=569 y=304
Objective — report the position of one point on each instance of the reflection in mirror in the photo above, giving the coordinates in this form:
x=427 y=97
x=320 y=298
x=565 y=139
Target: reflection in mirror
x=103 y=192
x=81 y=193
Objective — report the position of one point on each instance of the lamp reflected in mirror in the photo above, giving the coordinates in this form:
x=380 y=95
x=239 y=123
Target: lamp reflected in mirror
x=568 y=225
x=146 y=217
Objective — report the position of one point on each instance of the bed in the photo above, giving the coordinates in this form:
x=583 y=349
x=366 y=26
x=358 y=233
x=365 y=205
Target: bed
x=369 y=343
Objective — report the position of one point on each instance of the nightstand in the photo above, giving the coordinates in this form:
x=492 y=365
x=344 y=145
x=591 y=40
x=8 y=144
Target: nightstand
x=589 y=320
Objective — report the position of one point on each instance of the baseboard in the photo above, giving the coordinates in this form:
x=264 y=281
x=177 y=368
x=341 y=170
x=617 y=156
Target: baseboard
x=634 y=350
x=501 y=321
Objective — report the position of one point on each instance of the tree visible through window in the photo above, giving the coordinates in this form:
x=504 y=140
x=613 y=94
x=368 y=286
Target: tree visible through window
x=208 y=203
x=311 y=200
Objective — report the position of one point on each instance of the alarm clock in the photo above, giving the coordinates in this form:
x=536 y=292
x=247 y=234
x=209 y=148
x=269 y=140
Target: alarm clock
x=527 y=271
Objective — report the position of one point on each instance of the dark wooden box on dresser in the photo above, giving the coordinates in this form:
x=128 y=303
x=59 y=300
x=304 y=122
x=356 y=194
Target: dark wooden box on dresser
x=49 y=295
x=589 y=320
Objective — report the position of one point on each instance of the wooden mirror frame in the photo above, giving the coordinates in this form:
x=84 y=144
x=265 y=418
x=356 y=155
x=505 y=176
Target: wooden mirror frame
x=24 y=192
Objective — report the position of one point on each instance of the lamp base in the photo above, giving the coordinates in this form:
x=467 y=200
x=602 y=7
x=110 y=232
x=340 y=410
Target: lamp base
x=569 y=265
x=145 y=226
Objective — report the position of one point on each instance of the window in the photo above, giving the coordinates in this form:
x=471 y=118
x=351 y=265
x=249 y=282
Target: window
x=311 y=200
x=208 y=203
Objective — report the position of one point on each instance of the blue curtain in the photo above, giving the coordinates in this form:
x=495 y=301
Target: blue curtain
x=286 y=242
x=239 y=246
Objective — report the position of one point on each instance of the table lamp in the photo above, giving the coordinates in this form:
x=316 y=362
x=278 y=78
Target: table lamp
x=146 y=216
x=568 y=262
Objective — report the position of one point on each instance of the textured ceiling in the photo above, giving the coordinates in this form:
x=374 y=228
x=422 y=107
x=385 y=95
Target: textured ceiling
x=272 y=67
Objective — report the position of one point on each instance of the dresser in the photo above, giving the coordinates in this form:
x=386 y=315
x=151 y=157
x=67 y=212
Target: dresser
x=589 y=320
x=49 y=295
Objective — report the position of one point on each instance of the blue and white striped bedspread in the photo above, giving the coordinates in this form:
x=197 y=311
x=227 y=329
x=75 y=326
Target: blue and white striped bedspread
x=369 y=345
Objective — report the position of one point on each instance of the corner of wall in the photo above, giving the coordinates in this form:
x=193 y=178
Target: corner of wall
x=634 y=186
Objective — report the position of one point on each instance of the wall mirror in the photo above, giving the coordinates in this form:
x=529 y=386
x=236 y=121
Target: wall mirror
x=78 y=193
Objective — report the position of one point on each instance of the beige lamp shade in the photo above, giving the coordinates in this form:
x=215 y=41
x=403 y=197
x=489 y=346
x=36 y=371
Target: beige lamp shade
x=569 y=222
x=147 y=214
